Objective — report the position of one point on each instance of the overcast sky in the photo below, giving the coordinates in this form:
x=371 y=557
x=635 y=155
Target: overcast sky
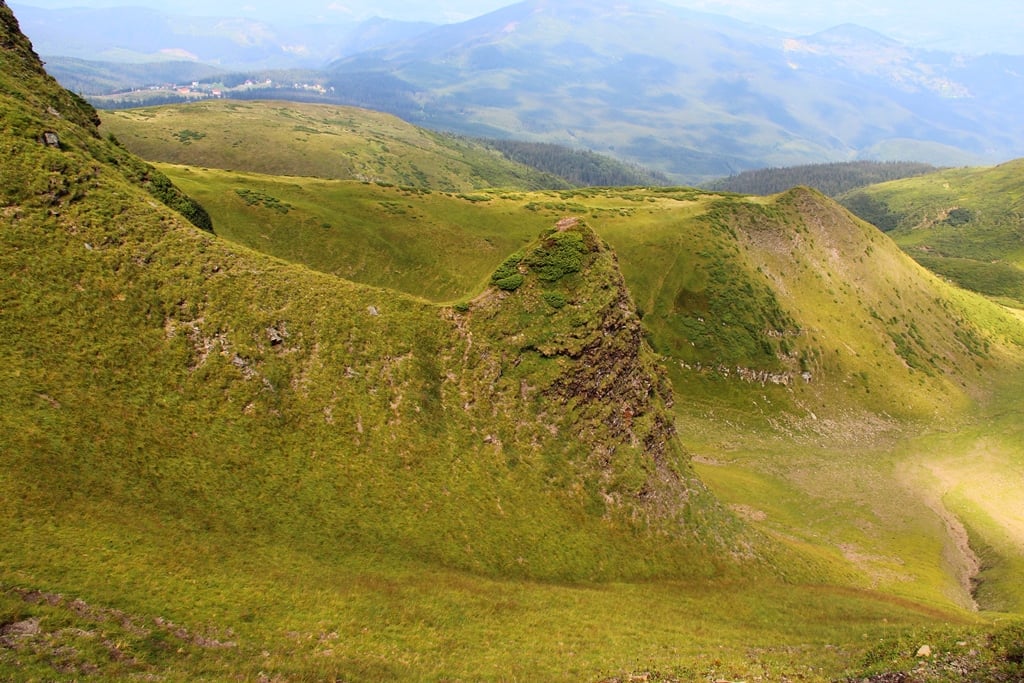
x=968 y=25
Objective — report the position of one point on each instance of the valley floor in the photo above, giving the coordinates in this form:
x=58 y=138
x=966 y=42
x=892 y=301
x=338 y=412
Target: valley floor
x=880 y=522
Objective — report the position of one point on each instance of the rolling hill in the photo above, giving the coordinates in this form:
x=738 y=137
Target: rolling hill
x=316 y=140
x=767 y=287
x=325 y=141
x=274 y=452
x=961 y=223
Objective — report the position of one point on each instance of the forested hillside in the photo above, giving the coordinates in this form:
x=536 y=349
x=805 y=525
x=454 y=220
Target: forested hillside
x=830 y=179
x=580 y=168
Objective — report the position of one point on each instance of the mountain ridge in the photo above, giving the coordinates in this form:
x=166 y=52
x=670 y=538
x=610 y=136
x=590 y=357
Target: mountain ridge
x=222 y=464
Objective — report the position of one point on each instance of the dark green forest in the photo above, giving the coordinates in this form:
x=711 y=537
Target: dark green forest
x=830 y=179
x=578 y=167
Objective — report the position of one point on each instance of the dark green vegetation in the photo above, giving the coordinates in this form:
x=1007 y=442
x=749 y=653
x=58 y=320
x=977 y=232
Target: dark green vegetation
x=321 y=444
x=965 y=224
x=830 y=179
x=579 y=167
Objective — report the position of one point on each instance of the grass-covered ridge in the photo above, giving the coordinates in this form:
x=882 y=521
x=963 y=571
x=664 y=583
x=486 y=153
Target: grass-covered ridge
x=789 y=290
x=202 y=350
x=331 y=142
x=186 y=417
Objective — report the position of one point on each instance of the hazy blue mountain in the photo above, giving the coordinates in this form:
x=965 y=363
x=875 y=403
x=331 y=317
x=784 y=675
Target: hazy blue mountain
x=692 y=94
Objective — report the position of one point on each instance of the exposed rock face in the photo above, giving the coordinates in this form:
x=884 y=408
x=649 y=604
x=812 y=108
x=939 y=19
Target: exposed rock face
x=614 y=383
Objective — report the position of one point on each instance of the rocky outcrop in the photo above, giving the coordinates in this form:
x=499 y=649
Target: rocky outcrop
x=600 y=377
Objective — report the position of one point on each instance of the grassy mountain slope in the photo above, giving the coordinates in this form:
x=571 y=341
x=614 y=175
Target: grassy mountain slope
x=962 y=223
x=741 y=297
x=196 y=433
x=145 y=338
x=348 y=143
x=767 y=288
x=316 y=140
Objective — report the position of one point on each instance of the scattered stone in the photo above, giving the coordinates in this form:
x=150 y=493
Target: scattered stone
x=277 y=335
x=924 y=651
x=51 y=139
x=372 y=310
x=28 y=627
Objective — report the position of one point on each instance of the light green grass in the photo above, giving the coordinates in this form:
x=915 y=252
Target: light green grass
x=759 y=288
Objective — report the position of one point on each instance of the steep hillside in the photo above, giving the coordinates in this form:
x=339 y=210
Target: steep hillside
x=217 y=464
x=157 y=356
x=809 y=354
x=316 y=140
x=861 y=310
x=964 y=224
x=172 y=398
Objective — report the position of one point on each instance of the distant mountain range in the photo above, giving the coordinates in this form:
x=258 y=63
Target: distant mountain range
x=692 y=95
x=136 y=34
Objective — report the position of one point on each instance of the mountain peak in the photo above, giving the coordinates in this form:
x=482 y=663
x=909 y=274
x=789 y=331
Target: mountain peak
x=853 y=35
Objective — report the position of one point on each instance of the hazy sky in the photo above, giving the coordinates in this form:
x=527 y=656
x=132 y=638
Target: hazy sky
x=969 y=25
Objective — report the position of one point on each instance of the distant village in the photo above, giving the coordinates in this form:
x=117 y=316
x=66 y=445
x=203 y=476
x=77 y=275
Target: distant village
x=202 y=90
x=197 y=90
